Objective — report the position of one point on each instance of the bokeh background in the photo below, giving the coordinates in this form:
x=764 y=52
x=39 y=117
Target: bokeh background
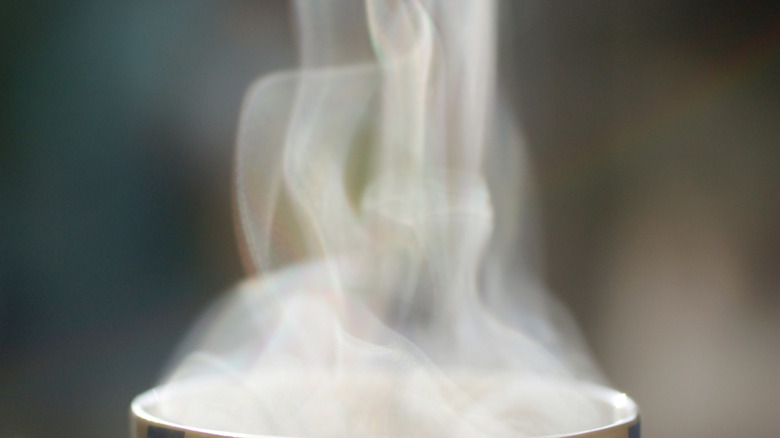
x=653 y=130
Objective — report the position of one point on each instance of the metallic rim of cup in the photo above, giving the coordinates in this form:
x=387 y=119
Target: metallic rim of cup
x=145 y=425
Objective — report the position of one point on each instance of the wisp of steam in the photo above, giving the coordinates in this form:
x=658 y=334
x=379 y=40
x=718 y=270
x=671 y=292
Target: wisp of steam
x=380 y=194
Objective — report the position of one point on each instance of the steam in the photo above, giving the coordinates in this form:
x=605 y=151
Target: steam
x=379 y=193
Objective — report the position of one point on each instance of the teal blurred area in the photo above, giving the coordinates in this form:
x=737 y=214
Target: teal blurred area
x=117 y=140
x=653 y=128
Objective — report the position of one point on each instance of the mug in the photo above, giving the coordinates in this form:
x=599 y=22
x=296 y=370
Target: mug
x=616 y=406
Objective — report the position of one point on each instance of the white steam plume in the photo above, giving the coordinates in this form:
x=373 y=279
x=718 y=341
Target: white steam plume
x=392 y=300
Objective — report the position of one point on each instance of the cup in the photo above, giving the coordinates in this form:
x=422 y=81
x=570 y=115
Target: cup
x=621 y=411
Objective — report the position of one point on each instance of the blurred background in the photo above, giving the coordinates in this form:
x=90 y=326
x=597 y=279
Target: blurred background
x=653 y=129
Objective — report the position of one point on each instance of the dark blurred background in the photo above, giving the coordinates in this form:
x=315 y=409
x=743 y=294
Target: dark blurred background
x=654 y=133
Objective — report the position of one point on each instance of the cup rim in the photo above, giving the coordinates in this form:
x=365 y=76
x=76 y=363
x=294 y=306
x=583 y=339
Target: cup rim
x=142 y=420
